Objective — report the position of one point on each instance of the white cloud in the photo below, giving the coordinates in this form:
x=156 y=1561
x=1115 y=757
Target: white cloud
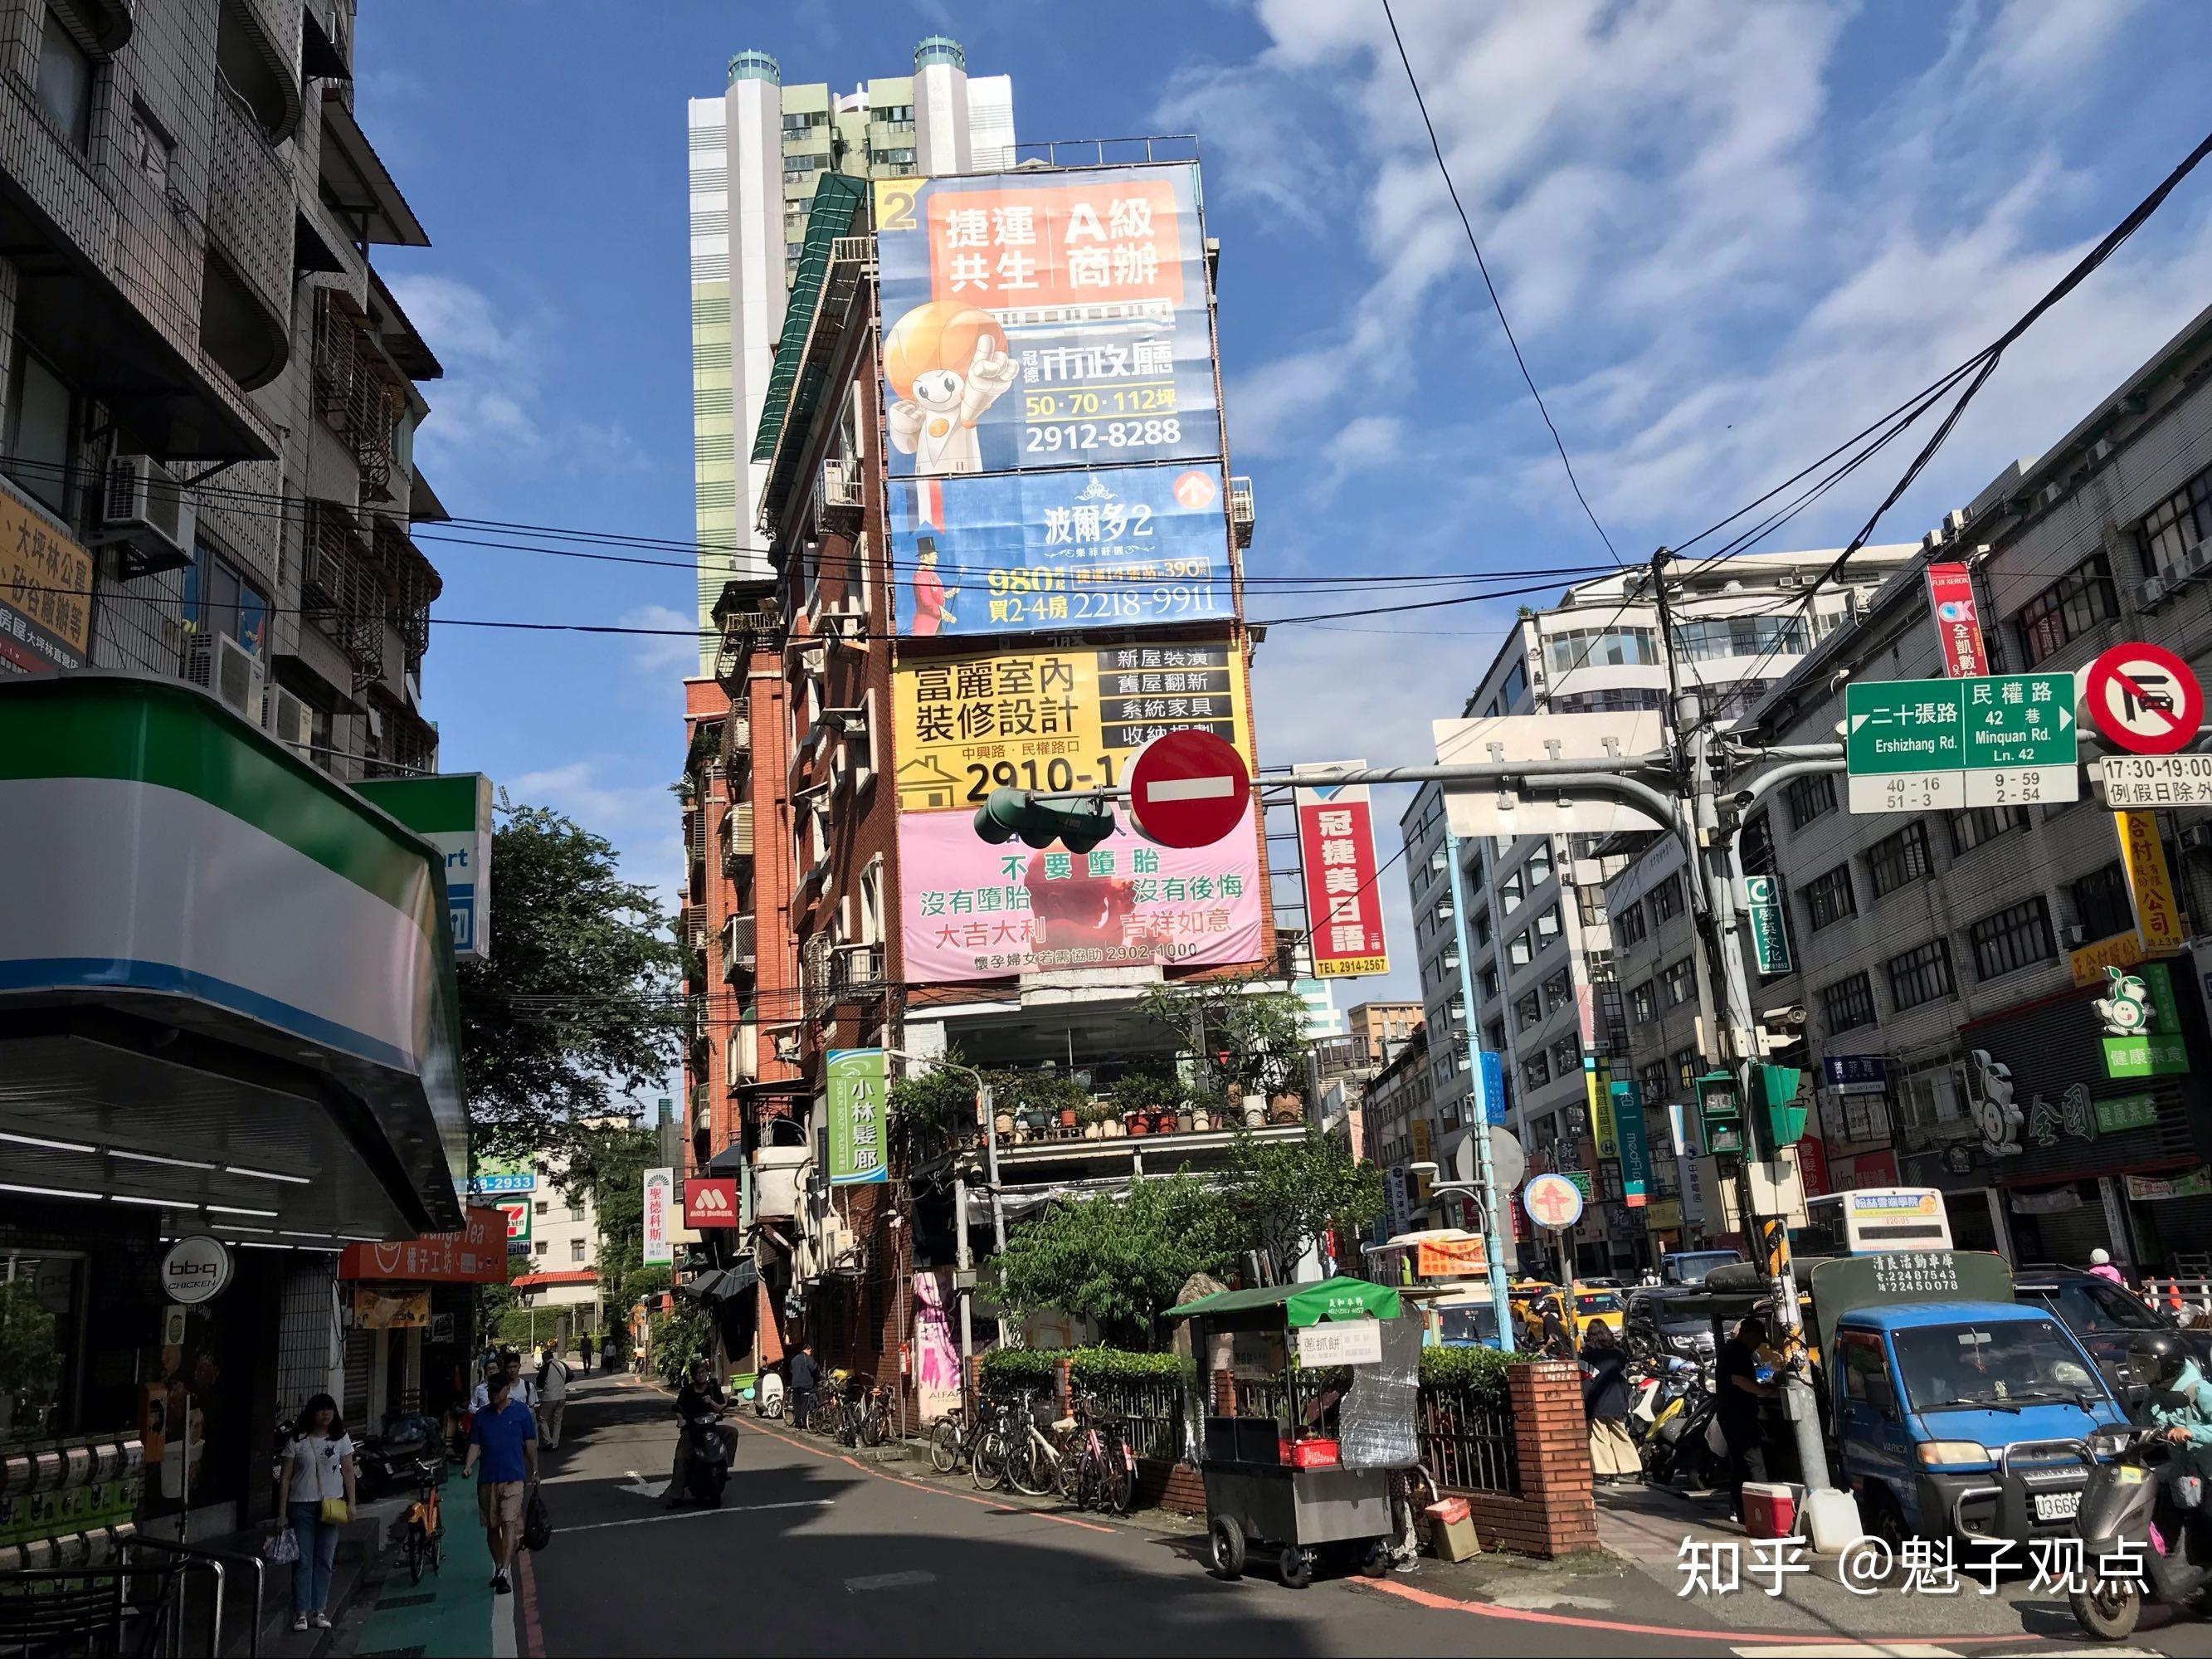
x=493 y=405
x=657 y=658
x=580 y=788
x=1719 y=261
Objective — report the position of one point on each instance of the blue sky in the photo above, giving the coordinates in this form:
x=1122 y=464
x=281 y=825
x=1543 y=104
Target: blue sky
x=1728 y=234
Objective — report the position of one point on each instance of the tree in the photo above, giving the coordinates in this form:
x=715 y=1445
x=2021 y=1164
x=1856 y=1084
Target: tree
x=580 y=1003
x=1119 y=1262
x=1249 y=1041
x=1286 y=1195
x=608 y=1163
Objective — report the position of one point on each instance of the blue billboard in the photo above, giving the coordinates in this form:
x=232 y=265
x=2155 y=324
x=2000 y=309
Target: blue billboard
x=1021 y=552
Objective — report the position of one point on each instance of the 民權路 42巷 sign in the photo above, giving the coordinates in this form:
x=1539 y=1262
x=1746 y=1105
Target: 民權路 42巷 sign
x=1990 y=741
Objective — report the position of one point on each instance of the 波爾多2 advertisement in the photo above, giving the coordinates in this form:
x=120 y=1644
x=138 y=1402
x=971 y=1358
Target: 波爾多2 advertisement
x=1079 y=548
x=1035 y=321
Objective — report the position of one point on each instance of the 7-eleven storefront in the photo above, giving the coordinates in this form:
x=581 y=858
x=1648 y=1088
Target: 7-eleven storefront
x=229 y=1049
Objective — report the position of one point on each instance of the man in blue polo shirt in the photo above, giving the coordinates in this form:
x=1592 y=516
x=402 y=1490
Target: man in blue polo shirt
x=503 y=1456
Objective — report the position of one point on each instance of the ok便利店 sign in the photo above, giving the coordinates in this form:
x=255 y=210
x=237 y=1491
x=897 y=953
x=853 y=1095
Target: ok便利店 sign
x=1991 y=740
x=1336 y=850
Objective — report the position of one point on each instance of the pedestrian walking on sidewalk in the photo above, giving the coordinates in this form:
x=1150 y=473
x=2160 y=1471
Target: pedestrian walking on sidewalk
x=607 y=1353
x=509 y=1370
x=1741 y=1408
x=552 y=1397
x=584 y=1348
x=1605 y=1403
x=805 y=1377
x=315 y=1493
x=503 y=1457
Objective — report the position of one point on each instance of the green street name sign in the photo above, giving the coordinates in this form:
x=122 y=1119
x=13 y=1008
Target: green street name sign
x=1988 y=741
x=1770 y=931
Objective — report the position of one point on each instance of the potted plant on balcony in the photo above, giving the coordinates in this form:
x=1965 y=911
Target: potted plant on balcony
x=1092 y=1116
x=1065 y=1099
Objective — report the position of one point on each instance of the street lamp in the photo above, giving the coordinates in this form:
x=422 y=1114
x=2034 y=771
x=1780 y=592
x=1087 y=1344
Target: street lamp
x=963 y=1259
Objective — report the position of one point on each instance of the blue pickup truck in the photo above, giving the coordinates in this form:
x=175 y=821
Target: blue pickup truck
x=1955 y=1411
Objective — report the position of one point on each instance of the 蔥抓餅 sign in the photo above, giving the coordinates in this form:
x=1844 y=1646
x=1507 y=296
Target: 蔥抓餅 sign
x=1053 y=719
x=1017 y=553
x=1043 y=321
x=970 y=909
x=452 y=812
x=1336 y=850
x=857 y=1086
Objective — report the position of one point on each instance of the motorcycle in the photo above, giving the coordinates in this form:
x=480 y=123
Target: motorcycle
x=2145 y=1506
x=706 y=1459
x=1655 y=1393
x=767 y=1396
x=386 y=1463
x=1679 y=1447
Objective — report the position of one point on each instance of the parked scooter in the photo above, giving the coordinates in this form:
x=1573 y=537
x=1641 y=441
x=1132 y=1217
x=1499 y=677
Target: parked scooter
x=767 y=1396
x=2146 y=1506
x=386 y=1463
x=1680 y=1449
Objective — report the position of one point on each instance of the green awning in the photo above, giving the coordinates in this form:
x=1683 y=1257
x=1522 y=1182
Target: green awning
x=836 y=199
x=1301 y=1304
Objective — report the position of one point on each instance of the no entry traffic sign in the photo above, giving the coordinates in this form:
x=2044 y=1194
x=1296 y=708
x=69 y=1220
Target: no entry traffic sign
x=1187 y=789
x=2145 y=699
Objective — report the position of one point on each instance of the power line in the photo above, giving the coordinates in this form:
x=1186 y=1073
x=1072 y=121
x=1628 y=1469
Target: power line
x=1497 y=305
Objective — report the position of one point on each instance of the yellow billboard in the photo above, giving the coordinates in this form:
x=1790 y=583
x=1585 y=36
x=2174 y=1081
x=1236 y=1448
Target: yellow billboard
x=2157 y=913
x=46 y=592
x=1053 y=719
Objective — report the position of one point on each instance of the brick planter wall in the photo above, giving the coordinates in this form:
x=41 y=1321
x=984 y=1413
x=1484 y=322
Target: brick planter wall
x=1554 y=1513
x=1165 y=1486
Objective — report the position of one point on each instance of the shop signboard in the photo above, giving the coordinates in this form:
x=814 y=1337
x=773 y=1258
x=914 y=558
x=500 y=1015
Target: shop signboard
x=514 y=1214
x=452 y=812
x=1043 y=320
x=45 y=591
x=859 y=1084
x=660 y=1192
x=1602 y=1132
x=383 y=1308
x=1635 y=1151
x=1769 y=928
x=1344 y=902
x=195 y=1269
x=1951 y=597
x=1031 y=552
x=972 y=911
x=712 y=1201
x=1053 y=719
x=475 y=1255
x=2195 y=1183
x=2150 y=886
x=1853 y=1075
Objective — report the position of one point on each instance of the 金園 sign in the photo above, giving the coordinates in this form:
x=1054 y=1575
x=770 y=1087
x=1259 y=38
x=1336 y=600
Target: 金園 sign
x=1343 y=906
x=454 y=814
x=660 y=1192
x=1770 y=931
x=1037 y=322
x=1051 y=720
x=1993 y=740
x=45 y=591
x=858 y=1086
x=1023 y=552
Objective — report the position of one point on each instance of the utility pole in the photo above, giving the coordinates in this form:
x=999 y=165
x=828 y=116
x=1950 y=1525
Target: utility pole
x=1493 y=1235
x=1832 y=1516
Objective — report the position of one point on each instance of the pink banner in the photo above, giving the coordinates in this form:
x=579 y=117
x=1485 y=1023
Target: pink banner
x=973 y=910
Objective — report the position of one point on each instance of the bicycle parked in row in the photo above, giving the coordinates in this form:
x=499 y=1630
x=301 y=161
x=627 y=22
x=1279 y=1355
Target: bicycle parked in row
x=1100 y=1471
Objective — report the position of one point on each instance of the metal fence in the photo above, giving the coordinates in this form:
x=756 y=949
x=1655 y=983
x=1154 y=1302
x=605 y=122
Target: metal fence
x=1152 y=1414
x=1467 y=1446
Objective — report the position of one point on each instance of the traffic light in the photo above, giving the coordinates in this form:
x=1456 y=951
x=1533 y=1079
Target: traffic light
x=1720 y=1114
x=1783 y=1119
x=1012 y=813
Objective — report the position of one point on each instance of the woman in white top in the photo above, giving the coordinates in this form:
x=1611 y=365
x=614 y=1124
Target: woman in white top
x=316 y=1469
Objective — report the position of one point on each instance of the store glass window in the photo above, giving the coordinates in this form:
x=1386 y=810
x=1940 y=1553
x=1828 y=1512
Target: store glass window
x=42 y=1315
x=219 y=600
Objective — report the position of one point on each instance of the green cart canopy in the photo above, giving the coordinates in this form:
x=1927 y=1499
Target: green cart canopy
x=1297 y=1305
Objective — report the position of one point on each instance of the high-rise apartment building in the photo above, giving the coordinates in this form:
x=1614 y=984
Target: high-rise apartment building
x=1544 y=984
x=757 y=153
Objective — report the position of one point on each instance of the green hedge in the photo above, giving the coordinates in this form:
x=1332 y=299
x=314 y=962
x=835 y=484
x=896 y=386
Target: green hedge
x=1018 y=1368
x=1477 y=1372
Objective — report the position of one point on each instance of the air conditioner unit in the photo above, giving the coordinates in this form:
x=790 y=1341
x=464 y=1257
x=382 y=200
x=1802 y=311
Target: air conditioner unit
x=1789 y=579
x=290 y=721
x=787 y=1049
x=218 y=663
x=2076 y=936
x=2196 y=838
x=2101 y=450
x=2196 y=558
x=2155 y=592
x=846 y=628
x=143 y=510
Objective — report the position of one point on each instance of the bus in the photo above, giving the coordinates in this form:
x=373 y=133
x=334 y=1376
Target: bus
x=1874 y=1221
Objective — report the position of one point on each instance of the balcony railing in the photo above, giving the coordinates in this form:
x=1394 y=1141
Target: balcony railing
x=1240 y=510
x=840 y=494
x=341 y=588
x=856 y=968
x=737 y=735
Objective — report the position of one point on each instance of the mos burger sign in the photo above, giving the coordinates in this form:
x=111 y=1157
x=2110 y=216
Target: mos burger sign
x=196 y=1270
x=711 y=1202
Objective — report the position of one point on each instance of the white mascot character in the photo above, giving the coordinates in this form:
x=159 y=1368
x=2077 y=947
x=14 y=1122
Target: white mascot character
x=947 y=363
